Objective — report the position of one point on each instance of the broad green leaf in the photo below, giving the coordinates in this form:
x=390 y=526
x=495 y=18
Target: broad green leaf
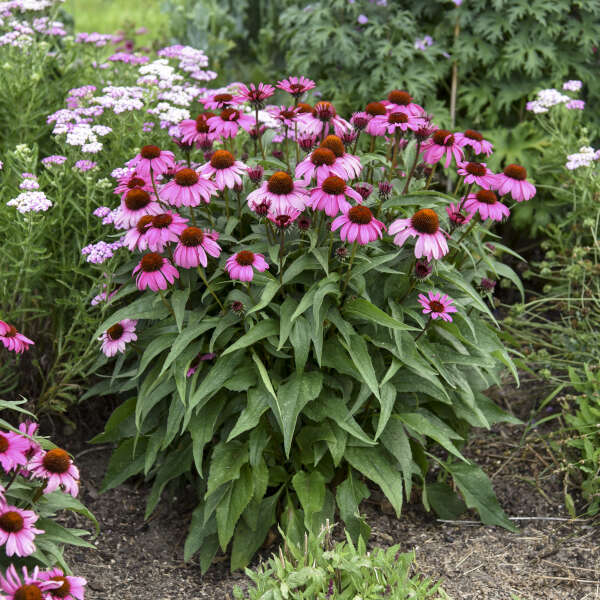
x=305 y=262
x=198 y=533
x=261 y=330
x=242 y=380
x=57 y=533
x=154 y=348
x=178 y=301
x=285 y=319
x=124 y=463
x=232 y=505
x=359 y=353
x=58 y=500
x=201 y=428
x=445 y=501
x=267 y=295
x=395 y=441
x=364 y=310
x=226 y=462
x=300 y=339
x=387 y=401
x=188 y=335
x=250 y=416
x=310 y=488
x=336 y=409
x=349 y=494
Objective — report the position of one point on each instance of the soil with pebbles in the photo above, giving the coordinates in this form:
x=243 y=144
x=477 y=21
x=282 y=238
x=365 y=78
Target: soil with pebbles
x=550 y=557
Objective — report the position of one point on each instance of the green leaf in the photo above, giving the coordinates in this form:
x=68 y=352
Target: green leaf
x=185 y=338
x=124 y=463
x=226 y=461
x=362 y=309
x=58 y=500
x=395 y=441
x=250 y=416
x=267 y=295
x=261 y=330
x=198 y=533
x=285 y=319
x=310 y=489
x=300 y=339
x=57 y=533
x=305 y=262
x=445 y=501
x=201 y=428
x=359 y=353
x=349 y=494
x=178 y=300
x=267 y=381
x=154 y=348
x=387 y=401
x=337 y=410
x=233 y=504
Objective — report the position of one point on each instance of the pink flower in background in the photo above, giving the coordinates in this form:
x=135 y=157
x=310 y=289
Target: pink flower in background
x=163 y=229
x=229 y=121
x=403 y=101
x=321 y=163
x=132 y=181
x=196 y=362
x=17 y=531
x=194 y=244
x=240 y=266
x=358 y=225
x=330 y=196
x=323 y=115
x=575 y=105
x=425 y=226
x=256 y=95
x=197 y=131
x=187 y=188
x=437 y=305
x=57 y=468
x=441 y=144
x=513 y=180
x=152 y=159
x=456 y=216
x=221 y=100
x=16 y=589
x=71 y=588
x=154 y=271
x=390 y=122
x=486 y=203
x=13 y=340
x=136 y=204
x=475 y=140
x=296 y=86
x=115 y=337
x=349 y=162
x=283 y=216
x=13 y=450
x=136 y=238
x=225 y=168
x=279 y=191
x=476 y=172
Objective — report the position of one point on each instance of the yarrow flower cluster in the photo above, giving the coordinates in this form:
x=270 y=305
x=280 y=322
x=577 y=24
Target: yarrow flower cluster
x=584 y=158
x=548 y=98
x=30 y=201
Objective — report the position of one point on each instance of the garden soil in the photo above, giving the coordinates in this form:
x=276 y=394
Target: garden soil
x=551 y=557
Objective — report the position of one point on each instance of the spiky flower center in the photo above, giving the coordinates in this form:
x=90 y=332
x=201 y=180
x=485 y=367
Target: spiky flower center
x=288 y=114
x=360 y=215
x=56 y=461
x=136 y=182
x=151 y=262
x=136 y=199
x=115 y=332
x=222 y=159
x=296 y=89
x=11 y=522
x=335 y=144
x=515 y=172
x=473 y=135
x=375 y=108
x=162 y=221
x=186 y=177
x=191 y=237
x=436 y=306
x=223 y=98
x=334 y=185
x=280 y=183
x=399 y=97
x=303 y=107
x=425 y=221
x=324 y=111
x=486 y=196
x=230 y=114
x=443 y=137
x=28 y=592
x=201 y=122
x=144 y=223
x=3 y=444
x=150 y=152
x=64 y=590
x=322 y=156
x=476 y=169
x=11 y=331
x=245 y=258
x=397 y=117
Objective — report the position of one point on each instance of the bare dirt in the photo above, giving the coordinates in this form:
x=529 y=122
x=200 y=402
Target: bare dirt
x=551 y=557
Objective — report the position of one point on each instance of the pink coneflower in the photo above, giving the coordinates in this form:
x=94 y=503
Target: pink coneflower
x=193 y=247
x=136 y=204
x=13 y=450
x=228 y=122
x=220 y=101
x=358 y=224
x=323 y=115
x=321 y=163
x=400 y=100
x=154 y=271
x=16 y=530
x=29 y=428
x=437 y=306
x=187 y=188
x=225 y=168
x=389 y=123
x=330 y=196
x=256 y=173
x=349 y=162
x=476 y=172
x=135 y=238
x=513 y=180
x=152 y=159
x=256 y=95
x=163 y=229
x=284 y=216
x=240 y=265
x=58 y=469
x=296 y=86
x=360 y=120
x=374 y=109
x=197 y=131
x=13 y=340
x=71 y=587
x=115 y=337
x=279 y=191
x=440 y=144
x=130 y=181
x=425 y=225
x=32 y=587
x=486 y=203
x=286 y=115
x=475 y=140
x=422 y=269
x=200 y=358
x=456 y=216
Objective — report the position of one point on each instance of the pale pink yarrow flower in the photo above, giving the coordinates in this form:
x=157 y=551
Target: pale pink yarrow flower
x=513 y=180
x=240 y=266
x=154 y=271
x=401 y=100
x=194 y=244
x=228 y=122
x=485 y=202
x=296 y=86
x=437 y=305
x=71 y=587
x=225 y=168
x=13 y=450
x=330 y=196
x=320 y=164
x=115 y=337
x=476 y=172
x=32 y=587
x=152 y=159
x=163 y=229
x=425 y=226
x=57 y=468
x=441 y=144
x=13 y=340
x=279 y=191
x=475 y=140
x=358 y=225
x=187 y=188
x=17 y=531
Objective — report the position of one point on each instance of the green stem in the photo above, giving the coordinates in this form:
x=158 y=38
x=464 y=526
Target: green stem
x=281 y=246
x=460 y=180
x=167 y=304
x=203 y=277
x=431 y=176
x=412 y=169
x=424 y=329
x=347 y=278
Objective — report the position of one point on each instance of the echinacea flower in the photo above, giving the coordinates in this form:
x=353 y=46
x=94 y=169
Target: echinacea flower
x=225 y=168
x=330 y=196
x=476 y=172
x=389 y=123
x=29 y=428
x=349 y=162
x=197 y=131
x=13 y=340
x=228 y=122
x=163 y=229
x=31 y=587
x=323 y=115
x=358 y=225
x=286 y=115
x=135 y=238
x=194 y=244
x=115 y=337
x=296 y=86
x=425 y=226
x=437 y=305
x=486 y=203
x=17 y=531
x=283 y=216
x=456 y=216
x=422 y=269
x=240 y=265
x=321 y=163
x=221 y=100
x=57 y=468
x=187 y=188
x=198 y=359
x=13 y=450
x=441 y=143
x=154 y=271
x=401 y=100
x=279 y=191
x=130 y=181
x=256 y=95
x=373 y=109
x=71 y=587
x=152 y=161
x=475 y=140
x=513 y=180
x=136 y=204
